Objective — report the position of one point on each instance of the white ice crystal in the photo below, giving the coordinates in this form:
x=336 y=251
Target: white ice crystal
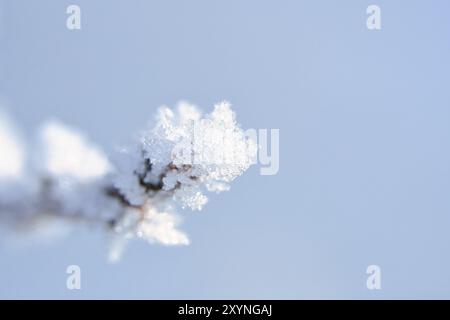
x=152 y=225
x=184 y=155
x=189 y=153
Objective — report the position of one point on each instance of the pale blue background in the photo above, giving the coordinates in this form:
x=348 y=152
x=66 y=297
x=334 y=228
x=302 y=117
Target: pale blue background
x=365 y=134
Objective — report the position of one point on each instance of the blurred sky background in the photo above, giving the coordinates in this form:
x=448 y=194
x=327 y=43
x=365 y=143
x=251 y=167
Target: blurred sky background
x=364 y=119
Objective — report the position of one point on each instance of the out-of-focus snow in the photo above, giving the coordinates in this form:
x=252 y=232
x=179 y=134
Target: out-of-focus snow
x=12 y=154
x=69 y=153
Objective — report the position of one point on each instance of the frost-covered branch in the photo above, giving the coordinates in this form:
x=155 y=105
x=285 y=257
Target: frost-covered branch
x=135 y=192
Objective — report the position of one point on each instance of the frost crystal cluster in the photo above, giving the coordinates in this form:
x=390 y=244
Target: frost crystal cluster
x=173 y=164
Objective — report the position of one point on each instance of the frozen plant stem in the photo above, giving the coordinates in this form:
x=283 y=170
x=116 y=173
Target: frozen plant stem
x=134 y=195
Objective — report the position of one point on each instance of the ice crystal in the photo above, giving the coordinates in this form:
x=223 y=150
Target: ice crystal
x=184 y=155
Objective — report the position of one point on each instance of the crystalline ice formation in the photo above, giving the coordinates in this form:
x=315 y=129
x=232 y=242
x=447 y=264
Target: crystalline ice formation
x=182 y=156
x=186 y=154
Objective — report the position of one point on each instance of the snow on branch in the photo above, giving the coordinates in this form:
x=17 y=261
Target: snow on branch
x=135 y=195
